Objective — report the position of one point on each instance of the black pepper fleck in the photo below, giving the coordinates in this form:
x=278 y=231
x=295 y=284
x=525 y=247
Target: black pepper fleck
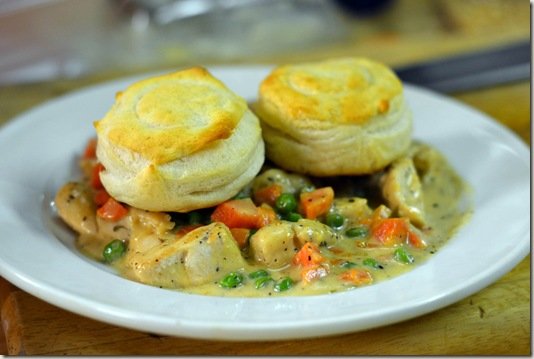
x=481 y=311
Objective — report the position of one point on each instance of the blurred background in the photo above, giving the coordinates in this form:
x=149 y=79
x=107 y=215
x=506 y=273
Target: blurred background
x=72 y=43
x=48 y=39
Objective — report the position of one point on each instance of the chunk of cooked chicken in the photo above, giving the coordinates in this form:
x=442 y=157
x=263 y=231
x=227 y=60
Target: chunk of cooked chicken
x=276 y=244
x=309 y=230
x=354 y=208
x=158 y=222
x=425 y=158
x=402 y=190
x=203 y=255
x=75 y=205
x=431 y=165
x=290 y=182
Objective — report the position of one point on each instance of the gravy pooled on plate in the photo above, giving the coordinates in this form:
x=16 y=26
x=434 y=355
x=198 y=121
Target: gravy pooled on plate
x=283 y=234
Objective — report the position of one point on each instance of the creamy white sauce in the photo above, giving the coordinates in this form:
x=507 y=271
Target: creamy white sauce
x=446 y=199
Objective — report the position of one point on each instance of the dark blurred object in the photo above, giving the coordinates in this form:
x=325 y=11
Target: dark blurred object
x=47 y=39
x=364 y=7
x=473 y=70
x=227 y=29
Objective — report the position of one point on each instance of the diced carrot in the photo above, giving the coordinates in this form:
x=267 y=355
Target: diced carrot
x=308 y=255
x=100 y=197
x=237 y=213
x=316 y=203
x=268 y=194
x=112 y=210
x=310 y=274
x=182 y=231
x=266 y=216
x=241 y=236
x=415 y=240
x=395 y=231
x=380 y=212
x=357 y=276
x=309 y=258
x=95 y=176
x=390 y=231
x=90 y=149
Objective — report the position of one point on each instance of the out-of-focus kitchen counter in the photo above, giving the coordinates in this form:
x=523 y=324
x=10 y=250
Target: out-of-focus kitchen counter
x=494 y=321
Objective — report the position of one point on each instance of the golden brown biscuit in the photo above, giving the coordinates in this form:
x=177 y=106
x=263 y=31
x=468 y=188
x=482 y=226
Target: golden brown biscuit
x=338 y=117
x=178 y=142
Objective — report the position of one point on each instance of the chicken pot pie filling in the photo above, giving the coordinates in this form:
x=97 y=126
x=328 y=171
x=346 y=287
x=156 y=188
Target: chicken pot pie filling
x=283 y=234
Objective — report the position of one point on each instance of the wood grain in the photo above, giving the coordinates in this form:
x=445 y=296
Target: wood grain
x=5 y=291
x=495 y=321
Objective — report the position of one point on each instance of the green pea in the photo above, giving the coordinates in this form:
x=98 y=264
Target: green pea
x=262 y=282
x=283 y=285
x=293 y=217
x=194 y=217
x=348 y=264
x=244 y=193
x=334 y=220
x=307 y=188
x=231 y=280
x=259 y=274
x=357 y=232
x=286 y=203
x=371 y=262
x=114 y=250
x=251 y=233
x=403 y=256
x=262 y=277
x=179 y=219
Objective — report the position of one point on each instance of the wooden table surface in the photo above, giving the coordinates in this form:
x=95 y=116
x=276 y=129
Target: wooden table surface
x=494 y=321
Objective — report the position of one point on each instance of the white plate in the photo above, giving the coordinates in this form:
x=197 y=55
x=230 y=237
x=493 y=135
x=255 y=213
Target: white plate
x=38 y=150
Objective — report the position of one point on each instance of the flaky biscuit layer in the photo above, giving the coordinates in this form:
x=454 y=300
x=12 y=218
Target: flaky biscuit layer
x=203 y=170
x=337 y=117
x=147 y=119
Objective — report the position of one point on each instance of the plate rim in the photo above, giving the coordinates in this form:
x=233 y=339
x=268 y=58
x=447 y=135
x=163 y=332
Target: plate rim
x=247 y=331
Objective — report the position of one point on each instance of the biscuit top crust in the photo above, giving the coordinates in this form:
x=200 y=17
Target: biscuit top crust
x=167 y=117
x=346 y=91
